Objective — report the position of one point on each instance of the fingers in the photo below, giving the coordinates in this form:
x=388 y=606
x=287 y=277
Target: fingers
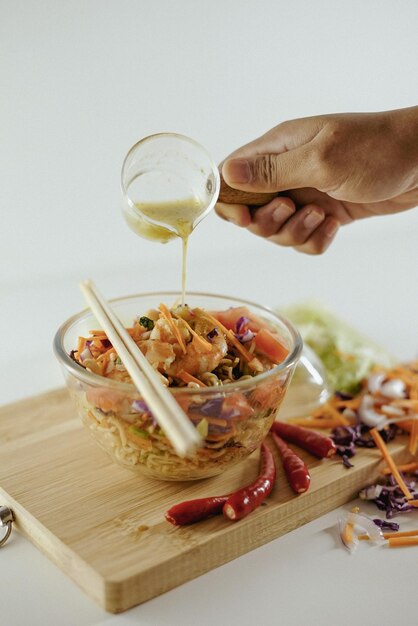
x=238 y=214
x=296 y=230
x=308 y=229
x=321 y=238
x=267 y=220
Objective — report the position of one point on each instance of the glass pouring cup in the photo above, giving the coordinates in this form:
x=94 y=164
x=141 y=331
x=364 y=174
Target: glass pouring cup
x=167 y=169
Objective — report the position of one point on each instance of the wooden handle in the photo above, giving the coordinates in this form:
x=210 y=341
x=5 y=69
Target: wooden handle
x=234 y=196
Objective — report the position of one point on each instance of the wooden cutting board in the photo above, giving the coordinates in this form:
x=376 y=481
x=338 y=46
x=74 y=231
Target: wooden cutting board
x=104 y=526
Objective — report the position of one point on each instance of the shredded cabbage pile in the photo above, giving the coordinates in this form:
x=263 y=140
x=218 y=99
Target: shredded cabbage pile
x=348 y=356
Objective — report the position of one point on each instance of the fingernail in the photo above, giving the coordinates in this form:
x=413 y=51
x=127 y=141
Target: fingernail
x=331 y=228
x=314 y=218
x=282 y=213
x=238 y=171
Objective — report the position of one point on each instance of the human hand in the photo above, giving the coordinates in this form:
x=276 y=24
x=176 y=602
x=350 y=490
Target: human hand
x=328 y=171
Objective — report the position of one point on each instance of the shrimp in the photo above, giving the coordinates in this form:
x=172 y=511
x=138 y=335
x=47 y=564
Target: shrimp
x=202 y=355
x=162 y=347
x=196 y=356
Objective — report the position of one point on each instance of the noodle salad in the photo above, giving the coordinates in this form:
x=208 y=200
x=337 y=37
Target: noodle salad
x=194 y=351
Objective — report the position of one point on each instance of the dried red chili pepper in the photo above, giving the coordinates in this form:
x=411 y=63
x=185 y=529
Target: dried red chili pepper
x=318 y=445
x=242 y=502
x=192 y=511
x=295 y=469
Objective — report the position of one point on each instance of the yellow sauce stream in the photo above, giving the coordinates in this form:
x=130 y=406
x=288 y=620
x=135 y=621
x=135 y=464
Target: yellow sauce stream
x=180 y=215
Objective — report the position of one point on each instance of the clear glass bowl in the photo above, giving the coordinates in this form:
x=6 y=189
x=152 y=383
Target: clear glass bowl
x=114 y=413
x=309 y=389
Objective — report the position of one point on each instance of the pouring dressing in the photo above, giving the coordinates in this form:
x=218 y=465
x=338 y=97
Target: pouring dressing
x=169 y=184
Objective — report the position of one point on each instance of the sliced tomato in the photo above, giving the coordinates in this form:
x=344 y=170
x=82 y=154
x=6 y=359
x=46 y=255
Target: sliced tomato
x=106 y=399
x=184 y=402
x=268 y=394
x=238 y=405
x=266 y=343
x=230 y=317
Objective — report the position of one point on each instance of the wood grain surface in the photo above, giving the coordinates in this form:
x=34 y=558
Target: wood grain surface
x=104 y=526
x=229 y=195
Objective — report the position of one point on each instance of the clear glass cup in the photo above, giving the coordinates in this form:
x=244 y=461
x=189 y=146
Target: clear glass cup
x=167 y=168
x=239 y=414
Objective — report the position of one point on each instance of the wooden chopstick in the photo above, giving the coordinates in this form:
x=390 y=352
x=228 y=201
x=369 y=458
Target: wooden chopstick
x=169 y=415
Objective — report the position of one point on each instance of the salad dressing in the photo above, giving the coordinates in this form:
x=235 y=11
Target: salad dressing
x=169 y=219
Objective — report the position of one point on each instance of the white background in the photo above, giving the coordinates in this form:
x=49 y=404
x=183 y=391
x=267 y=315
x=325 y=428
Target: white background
x=81 y=81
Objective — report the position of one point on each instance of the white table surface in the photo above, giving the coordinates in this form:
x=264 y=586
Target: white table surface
x=81 y=81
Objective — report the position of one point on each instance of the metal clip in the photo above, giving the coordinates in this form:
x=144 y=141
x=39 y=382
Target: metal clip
x=6 y=519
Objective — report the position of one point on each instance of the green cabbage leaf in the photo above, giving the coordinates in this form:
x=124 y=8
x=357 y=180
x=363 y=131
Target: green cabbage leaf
x=347 y=355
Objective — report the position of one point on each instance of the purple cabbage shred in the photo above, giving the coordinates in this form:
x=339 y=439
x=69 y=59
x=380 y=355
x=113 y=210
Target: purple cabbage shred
x=213 y=333
x=391 y=499
x=341 y=395
x=211 y=408
x=140 y=406
x=346 y=438
x=248 y=335
x=214 y=408
x=346 y=462
x=385 y=525
x=241 y=333
x=241 y=322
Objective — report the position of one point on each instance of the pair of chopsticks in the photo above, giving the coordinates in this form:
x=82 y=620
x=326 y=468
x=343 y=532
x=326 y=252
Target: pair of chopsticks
x=172 y=419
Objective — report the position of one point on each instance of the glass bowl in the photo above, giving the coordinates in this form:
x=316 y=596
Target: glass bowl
x=239 y=414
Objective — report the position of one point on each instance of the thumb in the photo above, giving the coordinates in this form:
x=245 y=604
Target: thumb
x=272 y=172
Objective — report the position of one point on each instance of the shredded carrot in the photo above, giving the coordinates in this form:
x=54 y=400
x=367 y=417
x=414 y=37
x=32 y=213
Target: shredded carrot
x=348 y=533
x=405 y=373
x=188 y=378
x=405 y=425
x=239 y=347
x=398 y=533
x=406 y=467
x=205 y=344
x=167 y=316
x=101 y=337
x=413 y=503
x=401 y=533
x=217 y=421
x=399 y=542
x=340 y=419
x=390 y=462
x=353 y=403
x=405 y=403
x=106 y=354
x=328 y=415
x=413 y=439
